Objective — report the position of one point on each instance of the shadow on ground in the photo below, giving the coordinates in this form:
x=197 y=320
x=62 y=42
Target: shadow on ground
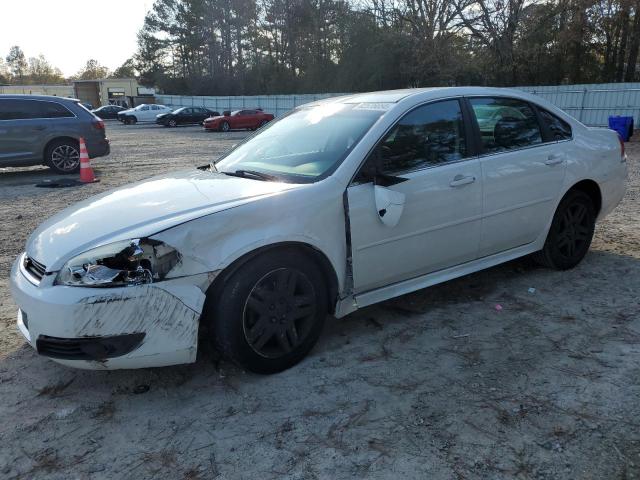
x=437 y=384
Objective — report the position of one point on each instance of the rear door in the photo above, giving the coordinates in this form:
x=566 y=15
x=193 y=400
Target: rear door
x=22 y=128
x=196 y=115
x=522 y=173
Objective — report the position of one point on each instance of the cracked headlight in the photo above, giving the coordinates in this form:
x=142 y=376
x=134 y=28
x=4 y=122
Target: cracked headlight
x=120 y=264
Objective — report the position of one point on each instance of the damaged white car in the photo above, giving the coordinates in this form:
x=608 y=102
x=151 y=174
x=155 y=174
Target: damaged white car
x=335 y=206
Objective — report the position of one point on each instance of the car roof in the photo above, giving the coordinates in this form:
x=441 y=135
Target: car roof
x=21 y=96
x=395 y=96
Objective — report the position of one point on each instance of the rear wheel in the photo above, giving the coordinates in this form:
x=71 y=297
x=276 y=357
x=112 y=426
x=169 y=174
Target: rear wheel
x=63 y=156
x=571 y=232
x=267 y=315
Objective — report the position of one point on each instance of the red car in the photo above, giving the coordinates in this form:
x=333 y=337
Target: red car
x=251 y=119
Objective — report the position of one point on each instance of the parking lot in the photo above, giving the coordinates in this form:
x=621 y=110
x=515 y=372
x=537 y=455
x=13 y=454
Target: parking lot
x=514 y=372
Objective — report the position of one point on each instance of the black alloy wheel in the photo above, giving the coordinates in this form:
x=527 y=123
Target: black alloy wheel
x=267 y=314
x=279 y=312
x=571 y=232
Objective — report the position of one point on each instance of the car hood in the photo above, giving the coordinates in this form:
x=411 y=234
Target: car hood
x=142 y=209
x=162 y=115
x=210 y=119
x=129 y=110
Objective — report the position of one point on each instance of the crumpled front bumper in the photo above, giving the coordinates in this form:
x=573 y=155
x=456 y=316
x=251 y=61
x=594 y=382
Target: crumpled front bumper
x=167 y=313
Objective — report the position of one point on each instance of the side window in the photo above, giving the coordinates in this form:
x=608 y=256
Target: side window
x=13 y=109
x=505 y=123
x=558 y=128
x=430 y=135
x=53 y=110
x=145 y=108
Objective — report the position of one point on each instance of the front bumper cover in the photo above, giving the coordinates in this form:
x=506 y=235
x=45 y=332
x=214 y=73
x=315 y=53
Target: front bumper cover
x=167 y=313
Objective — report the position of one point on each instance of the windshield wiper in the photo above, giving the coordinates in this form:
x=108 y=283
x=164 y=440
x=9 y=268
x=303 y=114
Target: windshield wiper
x=253 y=174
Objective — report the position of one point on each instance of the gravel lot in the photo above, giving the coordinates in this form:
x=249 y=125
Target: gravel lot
x=436 y=384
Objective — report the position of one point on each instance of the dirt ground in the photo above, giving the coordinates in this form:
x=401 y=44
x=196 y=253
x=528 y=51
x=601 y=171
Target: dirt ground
x=437 y=384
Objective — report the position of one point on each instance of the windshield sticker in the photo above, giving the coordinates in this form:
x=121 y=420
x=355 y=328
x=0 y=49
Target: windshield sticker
x=384 y=106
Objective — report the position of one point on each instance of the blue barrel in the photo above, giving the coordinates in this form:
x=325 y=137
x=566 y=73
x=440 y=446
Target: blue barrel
x=623 y=125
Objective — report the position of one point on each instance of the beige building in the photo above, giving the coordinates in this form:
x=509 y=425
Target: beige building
x=119 y=91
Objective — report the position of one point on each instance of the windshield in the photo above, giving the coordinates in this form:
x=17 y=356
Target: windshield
x=305 y=145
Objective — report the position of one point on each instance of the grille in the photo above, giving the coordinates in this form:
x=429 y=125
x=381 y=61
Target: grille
x=34 y=268
x=88 y=348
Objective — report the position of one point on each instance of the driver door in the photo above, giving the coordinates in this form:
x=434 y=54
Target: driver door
x=438 y=199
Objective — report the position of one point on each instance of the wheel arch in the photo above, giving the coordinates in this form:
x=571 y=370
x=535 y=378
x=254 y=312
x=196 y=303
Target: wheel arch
x=320 y=259
x=592 y=189
x=57 y=139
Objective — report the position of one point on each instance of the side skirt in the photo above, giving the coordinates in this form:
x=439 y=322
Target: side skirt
x=354 y=302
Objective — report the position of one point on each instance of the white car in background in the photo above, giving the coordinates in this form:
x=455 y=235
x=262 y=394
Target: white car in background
x=142 y=113
x=335 y=206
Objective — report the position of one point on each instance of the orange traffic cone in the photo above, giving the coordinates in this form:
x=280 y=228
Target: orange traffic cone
x=86 y=172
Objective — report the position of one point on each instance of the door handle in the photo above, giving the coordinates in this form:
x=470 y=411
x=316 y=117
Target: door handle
x=554 y=159
x=460 y=180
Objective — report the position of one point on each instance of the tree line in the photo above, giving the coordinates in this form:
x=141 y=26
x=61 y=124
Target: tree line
x=17 y=69
x=229 y=47
x=234 y=47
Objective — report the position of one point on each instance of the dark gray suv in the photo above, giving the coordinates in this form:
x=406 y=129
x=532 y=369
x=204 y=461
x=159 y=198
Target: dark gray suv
x=39 y=129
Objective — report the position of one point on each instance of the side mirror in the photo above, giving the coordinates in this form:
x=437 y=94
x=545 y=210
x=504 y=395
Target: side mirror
x=226 y=113
x=389 y=205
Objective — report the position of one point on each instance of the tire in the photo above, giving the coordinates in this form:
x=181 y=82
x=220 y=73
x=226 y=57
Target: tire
x=262 y=123
x=63 y=156
x=224 y=127
x=257 y=323
x=571 y=232
x=131 y=120
x=172 y=123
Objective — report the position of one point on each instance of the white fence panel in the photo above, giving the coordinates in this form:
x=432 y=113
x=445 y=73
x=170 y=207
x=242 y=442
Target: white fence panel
x=592 y=104
x=276 y=104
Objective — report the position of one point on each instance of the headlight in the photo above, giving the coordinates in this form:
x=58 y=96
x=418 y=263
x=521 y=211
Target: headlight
x=121 y=264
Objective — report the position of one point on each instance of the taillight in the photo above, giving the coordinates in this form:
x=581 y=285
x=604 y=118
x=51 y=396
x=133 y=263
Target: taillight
x=98 y=125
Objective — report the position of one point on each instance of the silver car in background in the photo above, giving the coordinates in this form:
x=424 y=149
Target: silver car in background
x=45 y=130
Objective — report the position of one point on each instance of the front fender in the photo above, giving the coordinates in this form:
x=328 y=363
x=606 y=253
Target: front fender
x=311 y=216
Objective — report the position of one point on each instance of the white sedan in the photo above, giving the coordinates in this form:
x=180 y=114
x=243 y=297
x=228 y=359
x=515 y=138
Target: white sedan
x=335 y=206
x=143 y=113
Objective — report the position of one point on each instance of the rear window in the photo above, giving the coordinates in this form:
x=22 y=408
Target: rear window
x=54 y=110
x=17 y=109
x=558 y=128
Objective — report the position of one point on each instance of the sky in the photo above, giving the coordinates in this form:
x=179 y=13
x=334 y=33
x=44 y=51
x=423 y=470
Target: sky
x=70 y=32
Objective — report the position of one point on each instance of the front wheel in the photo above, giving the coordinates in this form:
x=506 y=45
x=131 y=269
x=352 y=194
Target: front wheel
x=267 y=315
x=172 y=123
x=571 y=232
x=224 y=127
